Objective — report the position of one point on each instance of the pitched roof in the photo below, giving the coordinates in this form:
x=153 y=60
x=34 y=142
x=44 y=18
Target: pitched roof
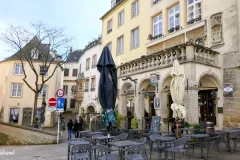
x=74 y=56
x=118 y=2
x=81 y=76
x=44 y=51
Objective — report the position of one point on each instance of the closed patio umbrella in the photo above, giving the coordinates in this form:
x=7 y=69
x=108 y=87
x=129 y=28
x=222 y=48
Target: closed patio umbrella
x=107 y=91
x=177 y=89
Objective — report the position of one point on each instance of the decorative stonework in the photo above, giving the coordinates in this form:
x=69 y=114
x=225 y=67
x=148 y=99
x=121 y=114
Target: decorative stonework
x=216 y=29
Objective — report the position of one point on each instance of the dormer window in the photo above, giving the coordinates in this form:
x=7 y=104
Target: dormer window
x=34 y=53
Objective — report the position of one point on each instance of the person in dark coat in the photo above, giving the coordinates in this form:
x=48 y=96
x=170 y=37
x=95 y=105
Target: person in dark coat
x=75 y=129
x=80 y=126
x=70 y=127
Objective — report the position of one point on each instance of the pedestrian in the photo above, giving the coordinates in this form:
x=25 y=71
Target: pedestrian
x=70 y=127
x=62 y=127
x=80 y=123
x=75 y=129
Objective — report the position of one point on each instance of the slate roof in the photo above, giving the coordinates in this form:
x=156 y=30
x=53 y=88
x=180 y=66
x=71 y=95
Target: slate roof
x=93 y=43
x=74 y=56
x=118 y=2
x=33 y=43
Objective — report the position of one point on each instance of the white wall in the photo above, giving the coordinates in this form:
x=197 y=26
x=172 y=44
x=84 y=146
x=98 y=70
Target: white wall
x=90 y=96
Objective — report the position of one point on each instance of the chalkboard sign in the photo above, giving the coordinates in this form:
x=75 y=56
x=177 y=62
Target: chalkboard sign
x=155 y=124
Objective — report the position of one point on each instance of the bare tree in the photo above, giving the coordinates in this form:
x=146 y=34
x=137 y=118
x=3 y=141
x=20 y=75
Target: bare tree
x=38 y=45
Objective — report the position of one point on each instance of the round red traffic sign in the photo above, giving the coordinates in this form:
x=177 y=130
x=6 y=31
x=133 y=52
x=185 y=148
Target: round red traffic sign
x=52 y=102
x=60 y=93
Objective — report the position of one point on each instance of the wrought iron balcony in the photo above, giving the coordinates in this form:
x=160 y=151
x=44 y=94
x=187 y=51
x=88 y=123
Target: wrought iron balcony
x=194 y=20
x=174 y=29
x=187 y=52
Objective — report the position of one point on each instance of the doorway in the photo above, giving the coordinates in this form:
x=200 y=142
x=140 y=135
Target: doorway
x=207 y=105
x=27 y=113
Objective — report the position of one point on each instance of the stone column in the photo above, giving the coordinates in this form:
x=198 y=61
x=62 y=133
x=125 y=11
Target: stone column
x=191 y=104
x=139 y=108
x=122 y=108
x=190 y=52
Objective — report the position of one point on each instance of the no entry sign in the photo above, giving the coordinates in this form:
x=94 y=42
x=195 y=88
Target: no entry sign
x=52 y=102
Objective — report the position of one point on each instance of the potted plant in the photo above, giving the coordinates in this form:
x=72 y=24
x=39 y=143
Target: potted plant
x=134 y=122
x=119 y=119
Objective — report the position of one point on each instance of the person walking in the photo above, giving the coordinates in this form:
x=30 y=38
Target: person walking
x=70 y=127
x=75 y=129
x=80 y=123
x=62 y=127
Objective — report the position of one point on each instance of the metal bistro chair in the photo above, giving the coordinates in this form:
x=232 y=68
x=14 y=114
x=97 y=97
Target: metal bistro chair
x=236 y=140
x=94 y=143
x=136 y=152
x=213 y=144
x=82 y=151
x=179 y=146
x=70 y=146
x=97 y=135
x=142 y=140
x=120 y=137
x=154 y=145
x=106 y=153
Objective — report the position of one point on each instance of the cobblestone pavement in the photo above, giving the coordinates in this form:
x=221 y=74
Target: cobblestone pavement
x=59 y=152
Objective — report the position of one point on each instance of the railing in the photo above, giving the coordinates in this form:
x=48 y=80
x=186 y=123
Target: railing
x=184 y=53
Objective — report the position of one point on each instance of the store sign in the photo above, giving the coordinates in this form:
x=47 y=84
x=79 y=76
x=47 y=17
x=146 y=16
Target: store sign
x=157 y=103
x=154 y=79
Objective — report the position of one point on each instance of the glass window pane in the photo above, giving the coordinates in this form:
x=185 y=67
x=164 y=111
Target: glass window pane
x=190 y=1
x=171 y=11
x=177 y=8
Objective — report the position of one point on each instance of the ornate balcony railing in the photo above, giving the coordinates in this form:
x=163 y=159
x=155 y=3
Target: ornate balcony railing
x=187 y=52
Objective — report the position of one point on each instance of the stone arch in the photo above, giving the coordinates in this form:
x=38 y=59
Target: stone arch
x=213 y=77
x=125 y=85
x=91 y=105
x=163 y=79
x=139 y=84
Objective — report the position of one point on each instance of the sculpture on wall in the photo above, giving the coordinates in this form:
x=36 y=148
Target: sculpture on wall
x=216 y=29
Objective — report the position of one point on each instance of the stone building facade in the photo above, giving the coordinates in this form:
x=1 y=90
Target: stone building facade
x=203 y=35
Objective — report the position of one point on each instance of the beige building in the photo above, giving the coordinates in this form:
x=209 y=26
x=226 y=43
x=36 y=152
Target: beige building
x=16 y=99
x=145 y=36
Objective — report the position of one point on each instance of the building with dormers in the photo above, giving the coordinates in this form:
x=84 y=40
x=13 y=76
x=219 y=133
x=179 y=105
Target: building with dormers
x=145 y=36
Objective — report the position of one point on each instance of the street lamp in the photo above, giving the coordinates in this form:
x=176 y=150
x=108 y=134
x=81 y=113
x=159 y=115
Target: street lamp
x=43 y=108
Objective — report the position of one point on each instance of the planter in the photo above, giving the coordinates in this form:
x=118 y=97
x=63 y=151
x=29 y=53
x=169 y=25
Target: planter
x=178 y=125
x=210 y=127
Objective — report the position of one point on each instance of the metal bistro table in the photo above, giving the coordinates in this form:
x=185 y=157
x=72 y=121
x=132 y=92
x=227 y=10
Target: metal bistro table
x=163 y=139
x=188 y=131
x=200 y=138
x=73 y=143
x=122 y=144
x=81 y=133
x=90 y=134
x=229 y=132
x=104 y=138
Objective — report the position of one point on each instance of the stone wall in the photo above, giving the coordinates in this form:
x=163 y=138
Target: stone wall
x=231 y=108
x=26 y=135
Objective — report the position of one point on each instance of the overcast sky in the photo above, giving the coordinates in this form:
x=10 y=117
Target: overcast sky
x=80 y=18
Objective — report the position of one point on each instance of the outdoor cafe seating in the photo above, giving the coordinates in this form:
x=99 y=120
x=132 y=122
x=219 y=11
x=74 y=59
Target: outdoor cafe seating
x=194 y=143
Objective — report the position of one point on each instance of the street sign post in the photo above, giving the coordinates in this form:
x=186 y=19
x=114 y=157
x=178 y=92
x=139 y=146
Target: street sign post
x=59 y=109
x=60 y=105
x=52 y=102
x=60 y=93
